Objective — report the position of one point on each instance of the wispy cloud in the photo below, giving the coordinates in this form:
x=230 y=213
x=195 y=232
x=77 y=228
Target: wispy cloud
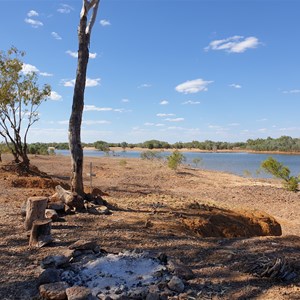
x=174 y=119
x=164 y=115
x=65 y=9
x=234 y=44
x=56 y=35
x=95 y=108
x=191 y=102
x=75 y=54
x=291 y=92
x=193 y=86
x=33 y=23
x=236 y=86
x=104 y=22
x=32 y=13
x=144 y=85
x=95 y=122
x=154 y=124
x=45 y=74
x=234 y=124
x=125 y=100
x=89 y=82
x=55 y=96
x=164 y=102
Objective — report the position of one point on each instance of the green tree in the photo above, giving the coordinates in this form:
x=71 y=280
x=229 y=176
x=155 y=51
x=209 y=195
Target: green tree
x=278 y=170
x=20 y=98
x=175 y=160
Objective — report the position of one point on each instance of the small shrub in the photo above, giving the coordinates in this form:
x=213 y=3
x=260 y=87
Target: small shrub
x=123 y=162
x=197 y=161
x=278 y=170
x=150 y=155
x=175 y=160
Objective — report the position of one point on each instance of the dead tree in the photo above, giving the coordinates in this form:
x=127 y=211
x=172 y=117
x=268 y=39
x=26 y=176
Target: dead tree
x=84 y=34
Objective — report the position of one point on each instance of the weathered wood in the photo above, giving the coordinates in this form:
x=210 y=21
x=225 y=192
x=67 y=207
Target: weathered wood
x=40 y=233
x=35 y=209
x=71 y=199
x=84 y=33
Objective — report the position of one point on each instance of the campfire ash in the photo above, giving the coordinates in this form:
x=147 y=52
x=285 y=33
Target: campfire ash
x=126 y=275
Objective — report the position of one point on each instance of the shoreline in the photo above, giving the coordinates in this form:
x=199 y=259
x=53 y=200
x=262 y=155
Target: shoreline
x=198 y=150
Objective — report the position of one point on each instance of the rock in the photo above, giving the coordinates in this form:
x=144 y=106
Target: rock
x=51 y=214
x=163 y=258
x=177 y=268
x=54 y=291
x=54 y=261
x=103 y=210
x=79 y=293
x=55 y=203
x=152 y=296
x=49 y=276
x=83 y=245
x=176 y=284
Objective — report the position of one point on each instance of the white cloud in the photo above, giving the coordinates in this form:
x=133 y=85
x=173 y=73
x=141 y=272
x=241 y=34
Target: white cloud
x=291 y=92
x=154 y=124
x=234 y=124
x=164 y=102
x=164 y=115
x=94 y=122
x=262 y=129
x=236 y=86
x=27 y=68
x=32 y=13
x=104 y=22
x=45 y=74
x=193 y=86
x=174 y=119
x=191 y=102
x=95 y=108
x=75 y=54
x=125 y=100
x=33 y=23
x=89 y=82
x=234 y=44
x=65 y=9
x=55 y=96
x=56 y=35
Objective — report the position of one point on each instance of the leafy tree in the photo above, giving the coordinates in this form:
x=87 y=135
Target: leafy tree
x=278 y=170
x=20 y=98
x=175 y=160
x=102 y=146
x=84 y=34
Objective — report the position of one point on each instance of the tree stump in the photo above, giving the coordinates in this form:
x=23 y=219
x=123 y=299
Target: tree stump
x=40 y=233
x=35 y=209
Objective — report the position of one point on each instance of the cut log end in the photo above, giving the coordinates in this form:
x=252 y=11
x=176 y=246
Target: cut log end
x=40 y=233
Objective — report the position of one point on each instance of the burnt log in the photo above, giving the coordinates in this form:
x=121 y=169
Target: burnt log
x=71 y=199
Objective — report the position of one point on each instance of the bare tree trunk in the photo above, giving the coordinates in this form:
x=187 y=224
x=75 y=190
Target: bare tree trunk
x=84 y=31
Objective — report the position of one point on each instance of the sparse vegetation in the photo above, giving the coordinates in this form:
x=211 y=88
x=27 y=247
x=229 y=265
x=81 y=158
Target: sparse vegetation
x=150 y=155
x=123 y=163
x=175 y=160
x=20 y=98
x=278 y=170
x=197 y=161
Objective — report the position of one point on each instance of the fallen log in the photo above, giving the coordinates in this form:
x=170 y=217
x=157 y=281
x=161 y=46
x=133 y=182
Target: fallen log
x=71 y=200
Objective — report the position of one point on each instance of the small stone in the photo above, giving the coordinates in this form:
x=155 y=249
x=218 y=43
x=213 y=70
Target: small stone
x=176 y=284
x=53 y=261
x=49 y=276
x=83 y=245
x=103 y=210
x=51 y=214
x=177 y=268
x=54 y=291
x=79 y=293
x=152 y=296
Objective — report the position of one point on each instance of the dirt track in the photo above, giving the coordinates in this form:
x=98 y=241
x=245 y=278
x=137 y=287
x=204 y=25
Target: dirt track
x=149 y=199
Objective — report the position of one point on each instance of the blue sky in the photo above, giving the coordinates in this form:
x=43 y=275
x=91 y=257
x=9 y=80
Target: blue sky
x=168 y=70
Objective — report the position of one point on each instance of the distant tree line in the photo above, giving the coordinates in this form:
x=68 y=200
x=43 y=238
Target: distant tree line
x=284 y=144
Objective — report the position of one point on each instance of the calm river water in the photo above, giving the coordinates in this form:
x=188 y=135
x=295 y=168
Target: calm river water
x=240 y=163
